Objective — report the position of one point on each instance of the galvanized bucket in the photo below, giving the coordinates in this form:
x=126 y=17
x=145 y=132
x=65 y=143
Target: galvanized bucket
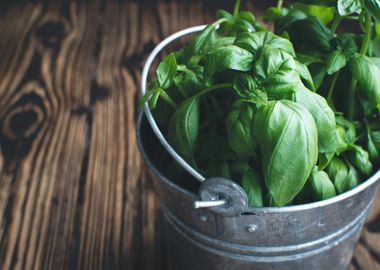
x=230 y=235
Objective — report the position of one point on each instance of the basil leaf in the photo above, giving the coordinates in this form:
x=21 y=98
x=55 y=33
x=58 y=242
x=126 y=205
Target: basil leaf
x=324 y=159
x=240 y=165
x=373 y=7
x=318 y=74
x=367 y=74
x=305 y=74
x=166 y=71
x=211 y=147
x=373 y=143
x=317 y=2
x=360 y=159
x=219 y=42
x=349 y=129
x=251 y=183
x=346 y=7
x=248 y=16
x=276 y=72
x=346 y=43
x=353 y=179
x=308 y=59
x=184 y=128
x=323 y=188
x=224 y=14
x=322 y=13
x=254 y=41
x=335 y=62
x=195 y=46
x=292 y=16
x=247 y=88
x=227 y=57
x=323 y=116
x=219 y=168
x=338 y=172
x=313 y=32
x=286 y=131
x=154 y=98
x=240 y=128
x=189 y=81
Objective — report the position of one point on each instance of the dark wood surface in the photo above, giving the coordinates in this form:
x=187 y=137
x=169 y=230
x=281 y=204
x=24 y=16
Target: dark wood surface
x=74 y=192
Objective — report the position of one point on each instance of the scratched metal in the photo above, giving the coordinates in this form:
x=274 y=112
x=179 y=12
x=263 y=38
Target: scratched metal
x=319 y=235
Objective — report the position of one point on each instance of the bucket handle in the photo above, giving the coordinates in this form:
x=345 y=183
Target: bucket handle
x=221 y=195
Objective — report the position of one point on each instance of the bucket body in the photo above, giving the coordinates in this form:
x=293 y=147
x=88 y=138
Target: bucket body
x=318 y=235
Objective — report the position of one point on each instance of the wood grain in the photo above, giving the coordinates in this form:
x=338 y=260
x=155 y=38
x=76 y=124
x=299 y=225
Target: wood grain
x=74 y=193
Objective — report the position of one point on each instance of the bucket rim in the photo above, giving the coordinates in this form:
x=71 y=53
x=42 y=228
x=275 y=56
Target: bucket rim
x=372 y=180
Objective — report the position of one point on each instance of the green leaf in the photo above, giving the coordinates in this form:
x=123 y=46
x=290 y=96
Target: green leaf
x=343 y=175
x=247 y=88
x=145 y=99
x=184 y=128
x=322 y=13
x=316 y=2
x=240 y=128
x=373 y=143
x=308 y=59
x=292 y=16
x=323 y=116
x=196 y=45
x=251 y=183
x=276 y=72
x=318 y=75
x=346 y=7
x=366 y=73
x=286 y=131
x=324 y=159
x=219 y=168
x=240 y=165
x=373 y=7
x=338 y=172
x=323 y=188
x=312 y=32
x=227 y=57
x=248 y=16
x=252 y=42
x=336 y=61
x=211 y=147
x=224 y=14
x=346 y=43
x=360 y=159
x=215 y=43
x=353 y=179
x=305 y=75
x=349 y=129
x=166 y=71
x=153 y=99
x=189 y=81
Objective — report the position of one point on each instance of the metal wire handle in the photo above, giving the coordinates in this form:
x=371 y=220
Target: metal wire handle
x=148 y=113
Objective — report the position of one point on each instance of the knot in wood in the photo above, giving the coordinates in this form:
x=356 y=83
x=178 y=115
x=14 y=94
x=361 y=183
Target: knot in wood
x=51 y=33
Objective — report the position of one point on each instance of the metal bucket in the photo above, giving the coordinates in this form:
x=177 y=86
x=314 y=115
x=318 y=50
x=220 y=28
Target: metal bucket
x=320 y=235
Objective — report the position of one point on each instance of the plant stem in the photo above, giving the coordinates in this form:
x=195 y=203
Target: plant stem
x=279 y=4
x=236 y=8
x=368 y=33
x=336 y=22
x=332 y=86
x=168 y=99
x=363 y=51
x=218 y=86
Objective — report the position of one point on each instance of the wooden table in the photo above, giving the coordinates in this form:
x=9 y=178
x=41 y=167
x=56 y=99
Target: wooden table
x=74 y=192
